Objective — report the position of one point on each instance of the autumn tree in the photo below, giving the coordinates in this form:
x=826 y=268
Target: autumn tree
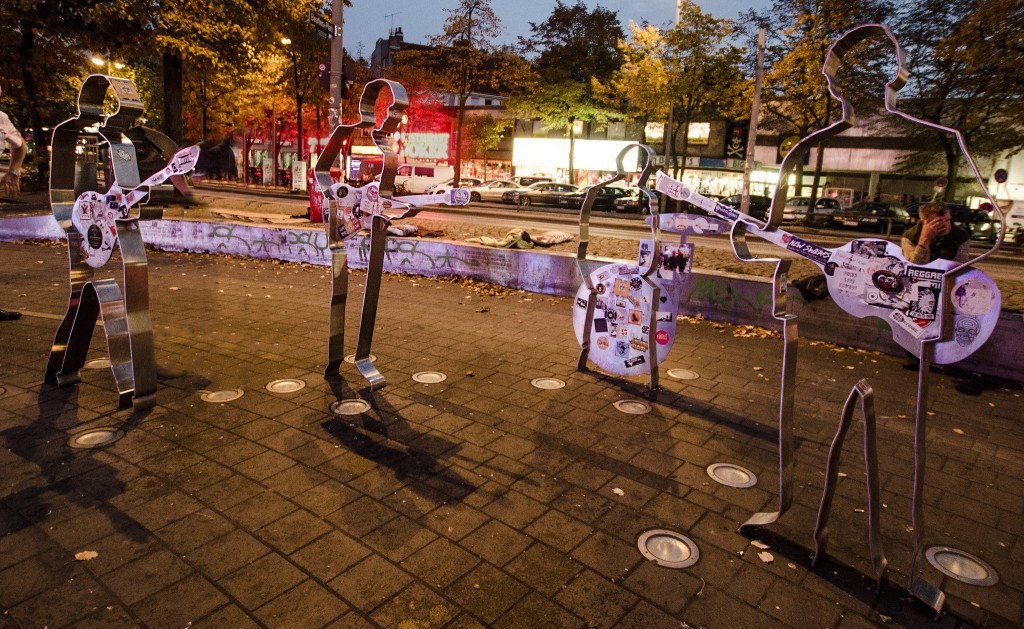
x=966 y=63
x=795 y=97
x=693 y=67
x=570 y=49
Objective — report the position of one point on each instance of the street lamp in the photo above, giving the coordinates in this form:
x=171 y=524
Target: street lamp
x=100 y=62
x=287 y=42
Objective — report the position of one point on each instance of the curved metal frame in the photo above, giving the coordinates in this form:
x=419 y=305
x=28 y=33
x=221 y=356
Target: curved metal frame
x=645 y=272
x=126 y=321
x=918 y=586
x=396 y=208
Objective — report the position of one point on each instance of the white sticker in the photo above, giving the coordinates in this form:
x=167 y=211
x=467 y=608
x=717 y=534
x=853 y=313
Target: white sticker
x=906 y=323
x=973 y=297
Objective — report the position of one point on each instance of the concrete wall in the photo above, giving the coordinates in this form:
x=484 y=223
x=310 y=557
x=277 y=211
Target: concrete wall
x=717 y=296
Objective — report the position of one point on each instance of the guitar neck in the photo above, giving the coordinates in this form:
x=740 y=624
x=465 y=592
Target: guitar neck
x=675 y=189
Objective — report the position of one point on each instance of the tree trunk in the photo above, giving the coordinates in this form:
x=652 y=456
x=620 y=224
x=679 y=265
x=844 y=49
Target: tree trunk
x=35 y=119
x=463 y=97
x=572 y=151
x=172 y=96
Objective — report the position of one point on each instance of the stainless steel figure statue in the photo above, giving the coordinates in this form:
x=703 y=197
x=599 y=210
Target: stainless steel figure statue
x=625 y=315
x=372 y=206
x=94 y=224
x=942 y=311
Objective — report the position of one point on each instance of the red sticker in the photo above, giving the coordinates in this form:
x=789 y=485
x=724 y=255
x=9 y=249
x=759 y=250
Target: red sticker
x=662 y=337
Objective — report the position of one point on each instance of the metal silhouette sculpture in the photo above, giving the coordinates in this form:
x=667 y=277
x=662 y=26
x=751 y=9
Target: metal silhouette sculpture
x=94 y=224
x=372 y=207
x=942 y=312
x=625 y=315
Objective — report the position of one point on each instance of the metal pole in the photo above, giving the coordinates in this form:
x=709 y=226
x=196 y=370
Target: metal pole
x=337 y=73
x=755 y=112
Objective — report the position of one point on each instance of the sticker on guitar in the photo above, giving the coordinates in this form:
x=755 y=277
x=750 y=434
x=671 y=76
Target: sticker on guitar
x=869 y=277
x=94 y=214
x=356 y=207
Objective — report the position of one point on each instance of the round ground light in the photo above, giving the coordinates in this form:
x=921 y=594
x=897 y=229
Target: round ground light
x=351 y=358
x=350 y=407
x=668 y=548
x=961 y=566
x=98 y=363
x=219 y=397
x=429 y=377
x=632 y=407
x=547 y=383
x=286 y=385
x=732 y=475
x=683 y=374
x=95 y=438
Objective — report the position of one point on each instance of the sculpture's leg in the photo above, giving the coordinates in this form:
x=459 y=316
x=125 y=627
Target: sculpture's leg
x=581 y=363
x=371 y=295
x=78 y=326
x=863 y=391
x=790 y=336
x=80 y=275
x=652 y=343
x=339 y=299
x=138 y=324
x=919 y=587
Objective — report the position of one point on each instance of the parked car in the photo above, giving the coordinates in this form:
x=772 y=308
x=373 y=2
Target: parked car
x=543 y=193
x=605 y=201
x=415 y=177
x=758 y=205
x=824 y=209
x=445 y=186
x=491 y=190
x=876 y=216
x=633 y=201
x=978 y=223
x=525 y=181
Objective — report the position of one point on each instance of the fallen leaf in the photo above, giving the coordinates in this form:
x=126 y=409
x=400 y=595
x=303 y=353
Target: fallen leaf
x=791 y=565
x=760 y=545
x=858 y=510
x=476 y=586
x=766 y=557
x=86 y=555
x=842 y=474
x=975 y=604
x=618 y=492
x=958 y=431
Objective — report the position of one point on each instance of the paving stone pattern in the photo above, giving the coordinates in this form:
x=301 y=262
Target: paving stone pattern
x=480 y=501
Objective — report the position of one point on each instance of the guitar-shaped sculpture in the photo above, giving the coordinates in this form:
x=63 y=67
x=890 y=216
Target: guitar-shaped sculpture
x=94 y=214
x=372 y=207
x=625 y=315
x=870 y=277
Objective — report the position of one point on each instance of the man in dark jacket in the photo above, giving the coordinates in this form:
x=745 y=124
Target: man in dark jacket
x=934 y=236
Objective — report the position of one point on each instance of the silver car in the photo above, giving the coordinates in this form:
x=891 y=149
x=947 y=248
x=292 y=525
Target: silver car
x=491 y=190
x=796 y=209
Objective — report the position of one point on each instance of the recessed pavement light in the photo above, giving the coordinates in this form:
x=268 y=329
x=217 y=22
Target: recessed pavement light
x=429 y=377
x=95 y=438
x=218 y=397
x=351 y=358
x=286 y=385
x=350 y=407
x=961 y=566
x=732 y=475
x=98 y=363
x=668 y=548
x=633 y=407
x=547 y=383
x=683 y=374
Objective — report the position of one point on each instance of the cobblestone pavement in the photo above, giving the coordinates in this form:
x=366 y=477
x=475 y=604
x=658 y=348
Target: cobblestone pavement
x=477 y=501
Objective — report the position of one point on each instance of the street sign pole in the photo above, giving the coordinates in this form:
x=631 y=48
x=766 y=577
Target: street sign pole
x=337 y=64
